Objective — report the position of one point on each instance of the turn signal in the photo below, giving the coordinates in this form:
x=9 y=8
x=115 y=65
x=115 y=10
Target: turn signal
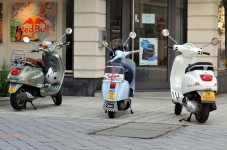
x=112 y=85
x=206 y=77
x=15 y=71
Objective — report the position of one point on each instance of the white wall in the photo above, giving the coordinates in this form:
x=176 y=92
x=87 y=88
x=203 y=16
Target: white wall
x=89 y=17
x=203 y=26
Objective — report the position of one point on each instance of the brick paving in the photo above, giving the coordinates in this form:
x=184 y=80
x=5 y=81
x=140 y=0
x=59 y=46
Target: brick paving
x=70 y=126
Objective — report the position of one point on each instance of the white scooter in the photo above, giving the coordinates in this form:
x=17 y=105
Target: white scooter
x=119 y=80
x=193 y=83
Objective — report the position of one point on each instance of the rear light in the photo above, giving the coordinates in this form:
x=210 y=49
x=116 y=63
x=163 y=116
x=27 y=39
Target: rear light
x=206 y=77
x=112 y=85
x=15 y=71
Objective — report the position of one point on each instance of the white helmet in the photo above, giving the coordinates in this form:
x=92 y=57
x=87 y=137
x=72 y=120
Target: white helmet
x=51 y=76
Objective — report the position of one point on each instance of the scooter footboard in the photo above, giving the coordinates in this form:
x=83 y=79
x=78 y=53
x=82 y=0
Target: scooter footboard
x=110 y=106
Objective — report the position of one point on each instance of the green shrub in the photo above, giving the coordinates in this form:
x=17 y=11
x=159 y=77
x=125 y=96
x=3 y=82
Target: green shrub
x=4 y=86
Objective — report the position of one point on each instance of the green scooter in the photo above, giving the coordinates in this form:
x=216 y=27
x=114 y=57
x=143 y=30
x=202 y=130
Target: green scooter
x=33 y=78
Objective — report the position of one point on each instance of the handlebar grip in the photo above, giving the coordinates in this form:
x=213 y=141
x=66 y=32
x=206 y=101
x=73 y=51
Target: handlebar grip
x=66 y=43
x=136 y=51
x=206 y=53
x=170 y=47
x=34 y=50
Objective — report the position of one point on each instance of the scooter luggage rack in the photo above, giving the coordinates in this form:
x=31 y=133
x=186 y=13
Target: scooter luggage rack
x=200 y=67
x=114 y=73
x=18 y=58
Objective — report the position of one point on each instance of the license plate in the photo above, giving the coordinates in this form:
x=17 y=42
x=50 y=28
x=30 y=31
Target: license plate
x=110 y=106
x=12 y=88
x=208 y=96
x=111 y=95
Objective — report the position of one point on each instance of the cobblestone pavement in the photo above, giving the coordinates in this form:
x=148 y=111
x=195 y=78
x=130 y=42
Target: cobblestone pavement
x=72 y=125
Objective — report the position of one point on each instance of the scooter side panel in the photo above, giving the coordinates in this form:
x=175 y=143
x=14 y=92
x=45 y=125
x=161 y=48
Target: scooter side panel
x=53 y=59
x=121 y=90
x=29 y=75
x=176 y=75
x=132 y=65
x=192 y=82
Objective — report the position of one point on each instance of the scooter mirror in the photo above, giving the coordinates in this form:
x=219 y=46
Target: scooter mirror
x=104 y=43
x=214 y=41
x=165 y=32
x=26 y=39
x=132 y=35
x=68 y=31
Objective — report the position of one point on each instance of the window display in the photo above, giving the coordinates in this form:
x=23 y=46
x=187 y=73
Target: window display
x=36 y=20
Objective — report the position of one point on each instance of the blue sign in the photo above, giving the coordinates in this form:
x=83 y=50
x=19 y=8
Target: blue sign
x=145 y=44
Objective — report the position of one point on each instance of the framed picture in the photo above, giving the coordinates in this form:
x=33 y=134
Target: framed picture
x=36 y=20
x=148 y=51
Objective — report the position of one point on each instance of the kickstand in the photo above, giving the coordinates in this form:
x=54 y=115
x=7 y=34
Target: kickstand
x=130 y=106
x=33 y=106
x=188 y=119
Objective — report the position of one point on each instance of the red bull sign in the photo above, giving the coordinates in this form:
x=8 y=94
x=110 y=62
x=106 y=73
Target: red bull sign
x=34 y=20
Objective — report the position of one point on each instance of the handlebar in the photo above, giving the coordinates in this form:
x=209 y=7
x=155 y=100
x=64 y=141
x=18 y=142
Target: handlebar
x=36 y=50
x=122 y=55
x=206 y=53
x=170 y=47
x=43 y=49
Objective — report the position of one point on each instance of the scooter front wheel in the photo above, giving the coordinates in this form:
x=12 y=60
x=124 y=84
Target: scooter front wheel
x=17 y=100
x=57 y=98
x=178 y=109
x=111 y=114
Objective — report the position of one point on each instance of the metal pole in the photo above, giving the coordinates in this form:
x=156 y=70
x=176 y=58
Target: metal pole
x=133 y=19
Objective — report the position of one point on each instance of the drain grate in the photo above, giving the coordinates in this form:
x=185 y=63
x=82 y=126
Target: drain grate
x=143 y=130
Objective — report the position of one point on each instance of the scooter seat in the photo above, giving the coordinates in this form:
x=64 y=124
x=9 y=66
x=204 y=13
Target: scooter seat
x=200 y=66
x=36 y=62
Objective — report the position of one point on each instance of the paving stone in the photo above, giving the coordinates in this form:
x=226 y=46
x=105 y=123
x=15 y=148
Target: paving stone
x=140 y=130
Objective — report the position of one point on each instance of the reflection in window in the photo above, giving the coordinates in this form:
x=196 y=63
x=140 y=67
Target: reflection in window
x=221 y=34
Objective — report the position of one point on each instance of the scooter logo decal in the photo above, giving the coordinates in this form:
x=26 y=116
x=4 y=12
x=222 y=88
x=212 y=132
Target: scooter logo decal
x=39 y=85
x=37 y=76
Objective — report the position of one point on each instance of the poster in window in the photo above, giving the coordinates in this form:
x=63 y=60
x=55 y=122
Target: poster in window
x=1 y=17
x=148 y=51
x=36 y=20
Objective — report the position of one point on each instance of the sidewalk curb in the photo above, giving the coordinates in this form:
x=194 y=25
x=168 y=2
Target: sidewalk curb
x=4 y=98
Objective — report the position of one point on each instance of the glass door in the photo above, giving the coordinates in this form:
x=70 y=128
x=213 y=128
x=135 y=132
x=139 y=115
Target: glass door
x=148 y=19
x=152 y=61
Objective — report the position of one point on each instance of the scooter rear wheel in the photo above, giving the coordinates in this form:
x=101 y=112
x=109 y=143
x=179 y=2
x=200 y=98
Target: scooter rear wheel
x=111 y=114
x=203 y=114
x=17 y=100
x=57 y=98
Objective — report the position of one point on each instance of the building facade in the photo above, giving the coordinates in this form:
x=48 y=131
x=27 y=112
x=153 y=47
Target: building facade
x=96 y=20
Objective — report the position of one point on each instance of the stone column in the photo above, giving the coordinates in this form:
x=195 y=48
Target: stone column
x=89 y=58
x=203 y=26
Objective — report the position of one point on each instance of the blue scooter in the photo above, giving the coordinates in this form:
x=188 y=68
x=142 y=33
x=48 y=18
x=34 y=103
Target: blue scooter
x=118 y=85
